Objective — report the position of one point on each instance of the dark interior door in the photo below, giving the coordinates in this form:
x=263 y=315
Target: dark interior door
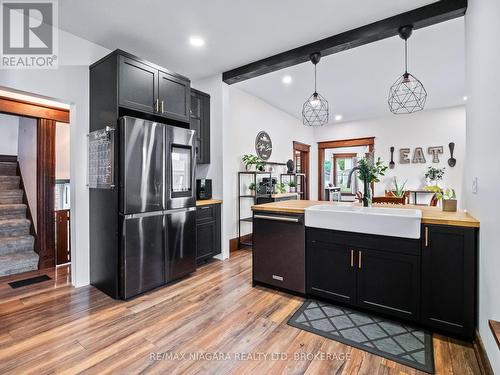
x=180 y=234
x=63 y=249
x=331 y=271
x=174 y=96
x=389 y=283
x=137 y=85
x=143 y=255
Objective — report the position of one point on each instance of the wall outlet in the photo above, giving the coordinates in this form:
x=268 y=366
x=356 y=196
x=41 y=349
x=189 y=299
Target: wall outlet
x=474 y=185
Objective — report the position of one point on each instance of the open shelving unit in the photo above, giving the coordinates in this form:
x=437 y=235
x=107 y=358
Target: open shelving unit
x=299 y=179
x=254 y=176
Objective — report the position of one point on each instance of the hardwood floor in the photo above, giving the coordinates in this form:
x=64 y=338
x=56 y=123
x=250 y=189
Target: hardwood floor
x=52 y=327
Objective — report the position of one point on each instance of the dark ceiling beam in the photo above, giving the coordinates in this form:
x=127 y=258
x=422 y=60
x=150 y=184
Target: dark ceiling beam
x=428 y=15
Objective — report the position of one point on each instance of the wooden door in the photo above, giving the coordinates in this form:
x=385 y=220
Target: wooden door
x=389 y=283
x=301 y=159
x=63 y=243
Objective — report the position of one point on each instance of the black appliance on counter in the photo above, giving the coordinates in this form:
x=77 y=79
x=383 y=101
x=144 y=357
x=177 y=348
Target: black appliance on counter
x=203 y=189
x=155 y=211
x=266 y=186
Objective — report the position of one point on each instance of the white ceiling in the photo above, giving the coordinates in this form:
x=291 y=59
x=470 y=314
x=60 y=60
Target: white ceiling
x=356 y=82
x=236 y=31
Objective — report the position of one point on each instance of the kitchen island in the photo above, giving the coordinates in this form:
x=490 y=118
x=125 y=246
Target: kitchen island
x=429 y=278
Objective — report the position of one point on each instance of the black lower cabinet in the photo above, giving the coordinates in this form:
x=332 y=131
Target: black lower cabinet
x=208 y=232
x=331 y=273
x=372 y=272
x=449 y=274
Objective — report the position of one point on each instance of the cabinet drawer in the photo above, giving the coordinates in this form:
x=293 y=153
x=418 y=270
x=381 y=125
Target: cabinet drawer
x=206 y=213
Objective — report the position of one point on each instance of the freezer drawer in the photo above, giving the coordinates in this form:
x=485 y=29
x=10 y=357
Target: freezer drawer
x=143 y=257
x=180 y=249
x=279 y=251
x=142 y=166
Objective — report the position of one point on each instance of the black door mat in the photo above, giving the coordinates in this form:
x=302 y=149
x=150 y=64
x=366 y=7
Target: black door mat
x=398 y=342
x=30 y=281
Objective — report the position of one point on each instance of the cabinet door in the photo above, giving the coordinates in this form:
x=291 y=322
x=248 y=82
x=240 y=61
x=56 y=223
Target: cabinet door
x=389 y=283
x=195 y=124
x=205 y=240
x=137 y=85
x=449 y=261
x=205 y=129
x=174 y=96
x=331 y=271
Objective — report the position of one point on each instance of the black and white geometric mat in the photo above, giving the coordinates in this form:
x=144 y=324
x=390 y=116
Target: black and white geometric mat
x=398 y=342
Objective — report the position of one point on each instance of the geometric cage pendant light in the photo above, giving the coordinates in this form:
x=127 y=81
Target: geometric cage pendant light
x=407 y=94
x=315 y=109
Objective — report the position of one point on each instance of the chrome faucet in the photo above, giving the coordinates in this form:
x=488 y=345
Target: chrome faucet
x=366 y=198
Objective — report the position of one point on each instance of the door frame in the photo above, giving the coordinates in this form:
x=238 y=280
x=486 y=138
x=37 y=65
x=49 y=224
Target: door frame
x=46 y=117
x=354 y=142
x=303 y=147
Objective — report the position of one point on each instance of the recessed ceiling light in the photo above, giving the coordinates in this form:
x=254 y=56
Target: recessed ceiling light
x=465 y=98
x=338 y=117
x=287 y=80
x=196 y=41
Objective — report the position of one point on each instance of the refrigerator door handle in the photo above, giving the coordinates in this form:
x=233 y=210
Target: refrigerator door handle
x=142 y=214
x=174 y=211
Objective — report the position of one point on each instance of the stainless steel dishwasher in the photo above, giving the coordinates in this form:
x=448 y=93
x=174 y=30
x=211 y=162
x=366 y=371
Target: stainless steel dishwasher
x=279 y=251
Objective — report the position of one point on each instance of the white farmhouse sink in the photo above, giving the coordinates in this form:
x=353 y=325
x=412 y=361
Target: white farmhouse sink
x=395 y=222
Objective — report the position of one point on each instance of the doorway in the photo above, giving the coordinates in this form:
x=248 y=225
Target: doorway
x=335 y=162
x=301 y=152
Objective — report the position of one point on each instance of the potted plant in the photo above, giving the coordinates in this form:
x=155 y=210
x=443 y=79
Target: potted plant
x=448 y=196
x=292 y=186
x=281 y=188
x=399 y=189
x=252 y=187
x=434 y=175
x=370 y=172
x=253 y=160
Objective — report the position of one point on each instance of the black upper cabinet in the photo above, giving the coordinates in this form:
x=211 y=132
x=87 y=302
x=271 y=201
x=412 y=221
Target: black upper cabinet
x=174 y=97
x=331 y=273
x=200 y=122
x=148 y=88
x=449 y=263
x=389 y=283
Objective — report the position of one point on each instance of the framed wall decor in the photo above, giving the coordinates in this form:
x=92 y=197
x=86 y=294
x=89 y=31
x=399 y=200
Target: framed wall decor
x=263 y=145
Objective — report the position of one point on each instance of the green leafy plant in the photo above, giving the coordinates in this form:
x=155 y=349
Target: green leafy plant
x=371 y=170
x=281 y=187
x=250 y=160
x=292 y=184
x=434 y=174
x=440 y=194
x=399 y=190
x=252 y=187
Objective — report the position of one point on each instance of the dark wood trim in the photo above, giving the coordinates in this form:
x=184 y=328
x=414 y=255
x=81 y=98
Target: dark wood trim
x=24 y=108
x=353 y=142
x=8 y=158
x=428 y=15
x=46 y=180
x=481 y=356
x=299 y=146
x=62 y=229
x=29 y=215
x=495 y=330
x=305 y=151
x=234 y=243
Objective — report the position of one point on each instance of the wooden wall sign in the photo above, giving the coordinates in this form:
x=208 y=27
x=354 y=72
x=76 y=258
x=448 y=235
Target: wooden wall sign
x=418 y=156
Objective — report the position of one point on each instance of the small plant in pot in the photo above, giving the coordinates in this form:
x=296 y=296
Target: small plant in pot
x=448 y=196
x=253 y=160
x=281 y=188
x=292 y=186
x=252 y=187
x=399 y=189
x=434 y=175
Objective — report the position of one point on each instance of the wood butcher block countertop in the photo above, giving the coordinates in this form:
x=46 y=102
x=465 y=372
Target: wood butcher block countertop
x=207 y=202
x=430 y=215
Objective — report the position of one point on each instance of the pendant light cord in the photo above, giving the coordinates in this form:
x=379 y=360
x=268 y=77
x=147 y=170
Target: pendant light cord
x=406 y=56
x=314 y=78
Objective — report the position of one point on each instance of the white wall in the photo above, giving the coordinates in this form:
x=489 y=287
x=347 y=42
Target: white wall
x=423 y=129
x=9 y=127
x=69 y=84
x=247 y=115
x=483 y=158
x=63 y=156
x=27 y=161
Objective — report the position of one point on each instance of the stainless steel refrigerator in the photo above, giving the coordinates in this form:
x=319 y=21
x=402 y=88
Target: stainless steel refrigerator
x=157 y=205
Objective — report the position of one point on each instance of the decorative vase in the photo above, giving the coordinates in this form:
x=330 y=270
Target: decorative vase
x=449 y=205
x=293 y=189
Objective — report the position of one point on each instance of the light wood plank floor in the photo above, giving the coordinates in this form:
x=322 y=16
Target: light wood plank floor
x=52 y=327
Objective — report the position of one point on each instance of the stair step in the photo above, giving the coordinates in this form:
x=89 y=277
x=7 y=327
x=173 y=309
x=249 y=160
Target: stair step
x=9 y=182
x=8 y=168
x=11 y=264
x=11 y=196
x=14 y=228
x=12 y=211
x=12 y=245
